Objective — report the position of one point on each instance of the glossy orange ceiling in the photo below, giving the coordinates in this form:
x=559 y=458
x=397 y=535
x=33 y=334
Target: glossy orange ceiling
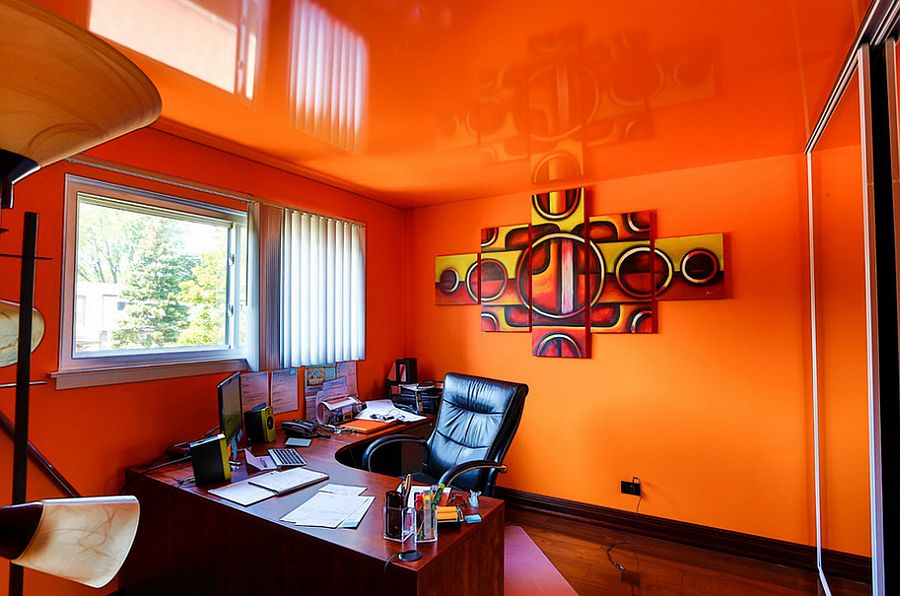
x=415 y=102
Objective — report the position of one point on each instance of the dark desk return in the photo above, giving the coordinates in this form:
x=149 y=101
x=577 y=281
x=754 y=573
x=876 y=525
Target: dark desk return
x=192 y=542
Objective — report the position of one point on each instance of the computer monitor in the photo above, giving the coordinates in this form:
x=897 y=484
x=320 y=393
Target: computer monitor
x=231 y=418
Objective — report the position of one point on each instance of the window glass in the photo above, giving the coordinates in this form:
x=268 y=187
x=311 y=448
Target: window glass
x=169 y=273
x=842 y=362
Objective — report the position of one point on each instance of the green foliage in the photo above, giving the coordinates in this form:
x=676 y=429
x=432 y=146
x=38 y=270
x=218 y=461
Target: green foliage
x=107 y=239
x=205 y=293
x=155 y=315
x=172 y=298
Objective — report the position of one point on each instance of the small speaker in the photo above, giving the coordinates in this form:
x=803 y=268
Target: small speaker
x=209 y=458
x=260 y=424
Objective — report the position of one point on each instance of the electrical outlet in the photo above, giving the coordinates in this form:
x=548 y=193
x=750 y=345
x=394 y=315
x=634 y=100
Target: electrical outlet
x=631 y=488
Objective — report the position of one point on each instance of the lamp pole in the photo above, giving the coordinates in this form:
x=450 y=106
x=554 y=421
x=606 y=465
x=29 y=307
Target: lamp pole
x=23 y=376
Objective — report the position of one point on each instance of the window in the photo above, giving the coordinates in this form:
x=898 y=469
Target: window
x=80 y=308
x=214 y=41
x=150 y=279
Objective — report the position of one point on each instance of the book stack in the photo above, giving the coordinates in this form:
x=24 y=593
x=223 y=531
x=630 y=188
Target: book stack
x=424 y=397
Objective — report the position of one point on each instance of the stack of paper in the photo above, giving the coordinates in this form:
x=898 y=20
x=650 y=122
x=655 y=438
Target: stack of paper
x=384 y=409
x=339 y=509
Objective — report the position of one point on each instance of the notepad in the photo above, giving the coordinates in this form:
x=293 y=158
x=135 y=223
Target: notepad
x=242 y=493
x=288 y=480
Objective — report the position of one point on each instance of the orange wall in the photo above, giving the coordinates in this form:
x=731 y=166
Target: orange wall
x=712 y=413
x=92 y=434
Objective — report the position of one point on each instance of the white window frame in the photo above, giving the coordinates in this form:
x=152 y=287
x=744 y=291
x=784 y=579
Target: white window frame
x=91 y=370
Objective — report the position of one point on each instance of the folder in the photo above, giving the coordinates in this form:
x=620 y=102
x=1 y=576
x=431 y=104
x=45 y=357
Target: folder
x=368 y=426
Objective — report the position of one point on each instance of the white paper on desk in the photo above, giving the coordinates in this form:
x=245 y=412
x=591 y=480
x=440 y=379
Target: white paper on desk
x=343 y=489
x=242 y=493
x=324 y=510
x=385 y=407
x=353 y=521
x=284 y=390
x=254 y=390
x=260 y=463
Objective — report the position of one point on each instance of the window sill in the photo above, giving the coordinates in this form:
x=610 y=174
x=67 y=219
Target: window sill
x=94 y=377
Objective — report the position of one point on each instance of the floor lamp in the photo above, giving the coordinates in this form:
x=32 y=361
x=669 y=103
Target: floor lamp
x=62 y=91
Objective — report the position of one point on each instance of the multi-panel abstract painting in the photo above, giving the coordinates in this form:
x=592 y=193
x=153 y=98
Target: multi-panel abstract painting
x=564 y=276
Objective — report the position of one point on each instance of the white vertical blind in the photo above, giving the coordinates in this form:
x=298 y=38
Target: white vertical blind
x=323 y=290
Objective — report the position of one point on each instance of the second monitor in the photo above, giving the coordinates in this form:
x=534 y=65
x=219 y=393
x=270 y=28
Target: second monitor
x=230 y=416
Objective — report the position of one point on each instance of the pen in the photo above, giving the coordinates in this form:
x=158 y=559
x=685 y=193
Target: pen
x=406 y=486
x=426 y=510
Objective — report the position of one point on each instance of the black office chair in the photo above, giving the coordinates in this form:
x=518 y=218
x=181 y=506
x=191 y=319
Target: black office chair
x=475 y=425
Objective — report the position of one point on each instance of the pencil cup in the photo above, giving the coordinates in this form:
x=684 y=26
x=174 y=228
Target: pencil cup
x=426 y=524
x=399 y=524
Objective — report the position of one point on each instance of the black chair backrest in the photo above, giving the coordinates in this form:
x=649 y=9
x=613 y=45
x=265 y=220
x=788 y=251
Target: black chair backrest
x=477 y=420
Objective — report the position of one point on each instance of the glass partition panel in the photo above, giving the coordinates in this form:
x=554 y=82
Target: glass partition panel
x=842 y=360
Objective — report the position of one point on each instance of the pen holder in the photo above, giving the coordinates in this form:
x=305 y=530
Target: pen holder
x=399 y=524
x=426 y=524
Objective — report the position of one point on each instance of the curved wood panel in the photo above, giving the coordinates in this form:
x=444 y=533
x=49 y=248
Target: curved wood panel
x=62 y=89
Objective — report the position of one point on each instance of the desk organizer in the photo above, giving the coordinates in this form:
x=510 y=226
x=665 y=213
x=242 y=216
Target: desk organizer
x=399 y=524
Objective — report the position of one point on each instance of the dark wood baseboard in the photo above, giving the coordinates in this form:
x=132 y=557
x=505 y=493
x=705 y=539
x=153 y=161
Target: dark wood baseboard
x=847 y=566
x=801 y=556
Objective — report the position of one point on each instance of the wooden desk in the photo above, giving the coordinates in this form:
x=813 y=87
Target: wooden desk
x=190 y=541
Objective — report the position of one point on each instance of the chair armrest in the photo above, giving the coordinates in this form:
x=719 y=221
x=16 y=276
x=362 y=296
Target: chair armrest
x=450 y=475
x=381 y=442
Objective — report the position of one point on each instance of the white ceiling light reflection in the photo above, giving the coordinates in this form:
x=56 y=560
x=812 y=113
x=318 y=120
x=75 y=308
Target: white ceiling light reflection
x=215 y=41
x=328 y=78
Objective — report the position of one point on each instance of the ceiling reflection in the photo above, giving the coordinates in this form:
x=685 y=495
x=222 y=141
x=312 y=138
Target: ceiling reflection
x=216 y=41
x=423 y=101
x=569 y=97
x=329 y=72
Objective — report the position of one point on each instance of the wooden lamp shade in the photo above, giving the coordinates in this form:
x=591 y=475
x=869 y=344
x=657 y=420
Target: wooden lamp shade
x=62 y=90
